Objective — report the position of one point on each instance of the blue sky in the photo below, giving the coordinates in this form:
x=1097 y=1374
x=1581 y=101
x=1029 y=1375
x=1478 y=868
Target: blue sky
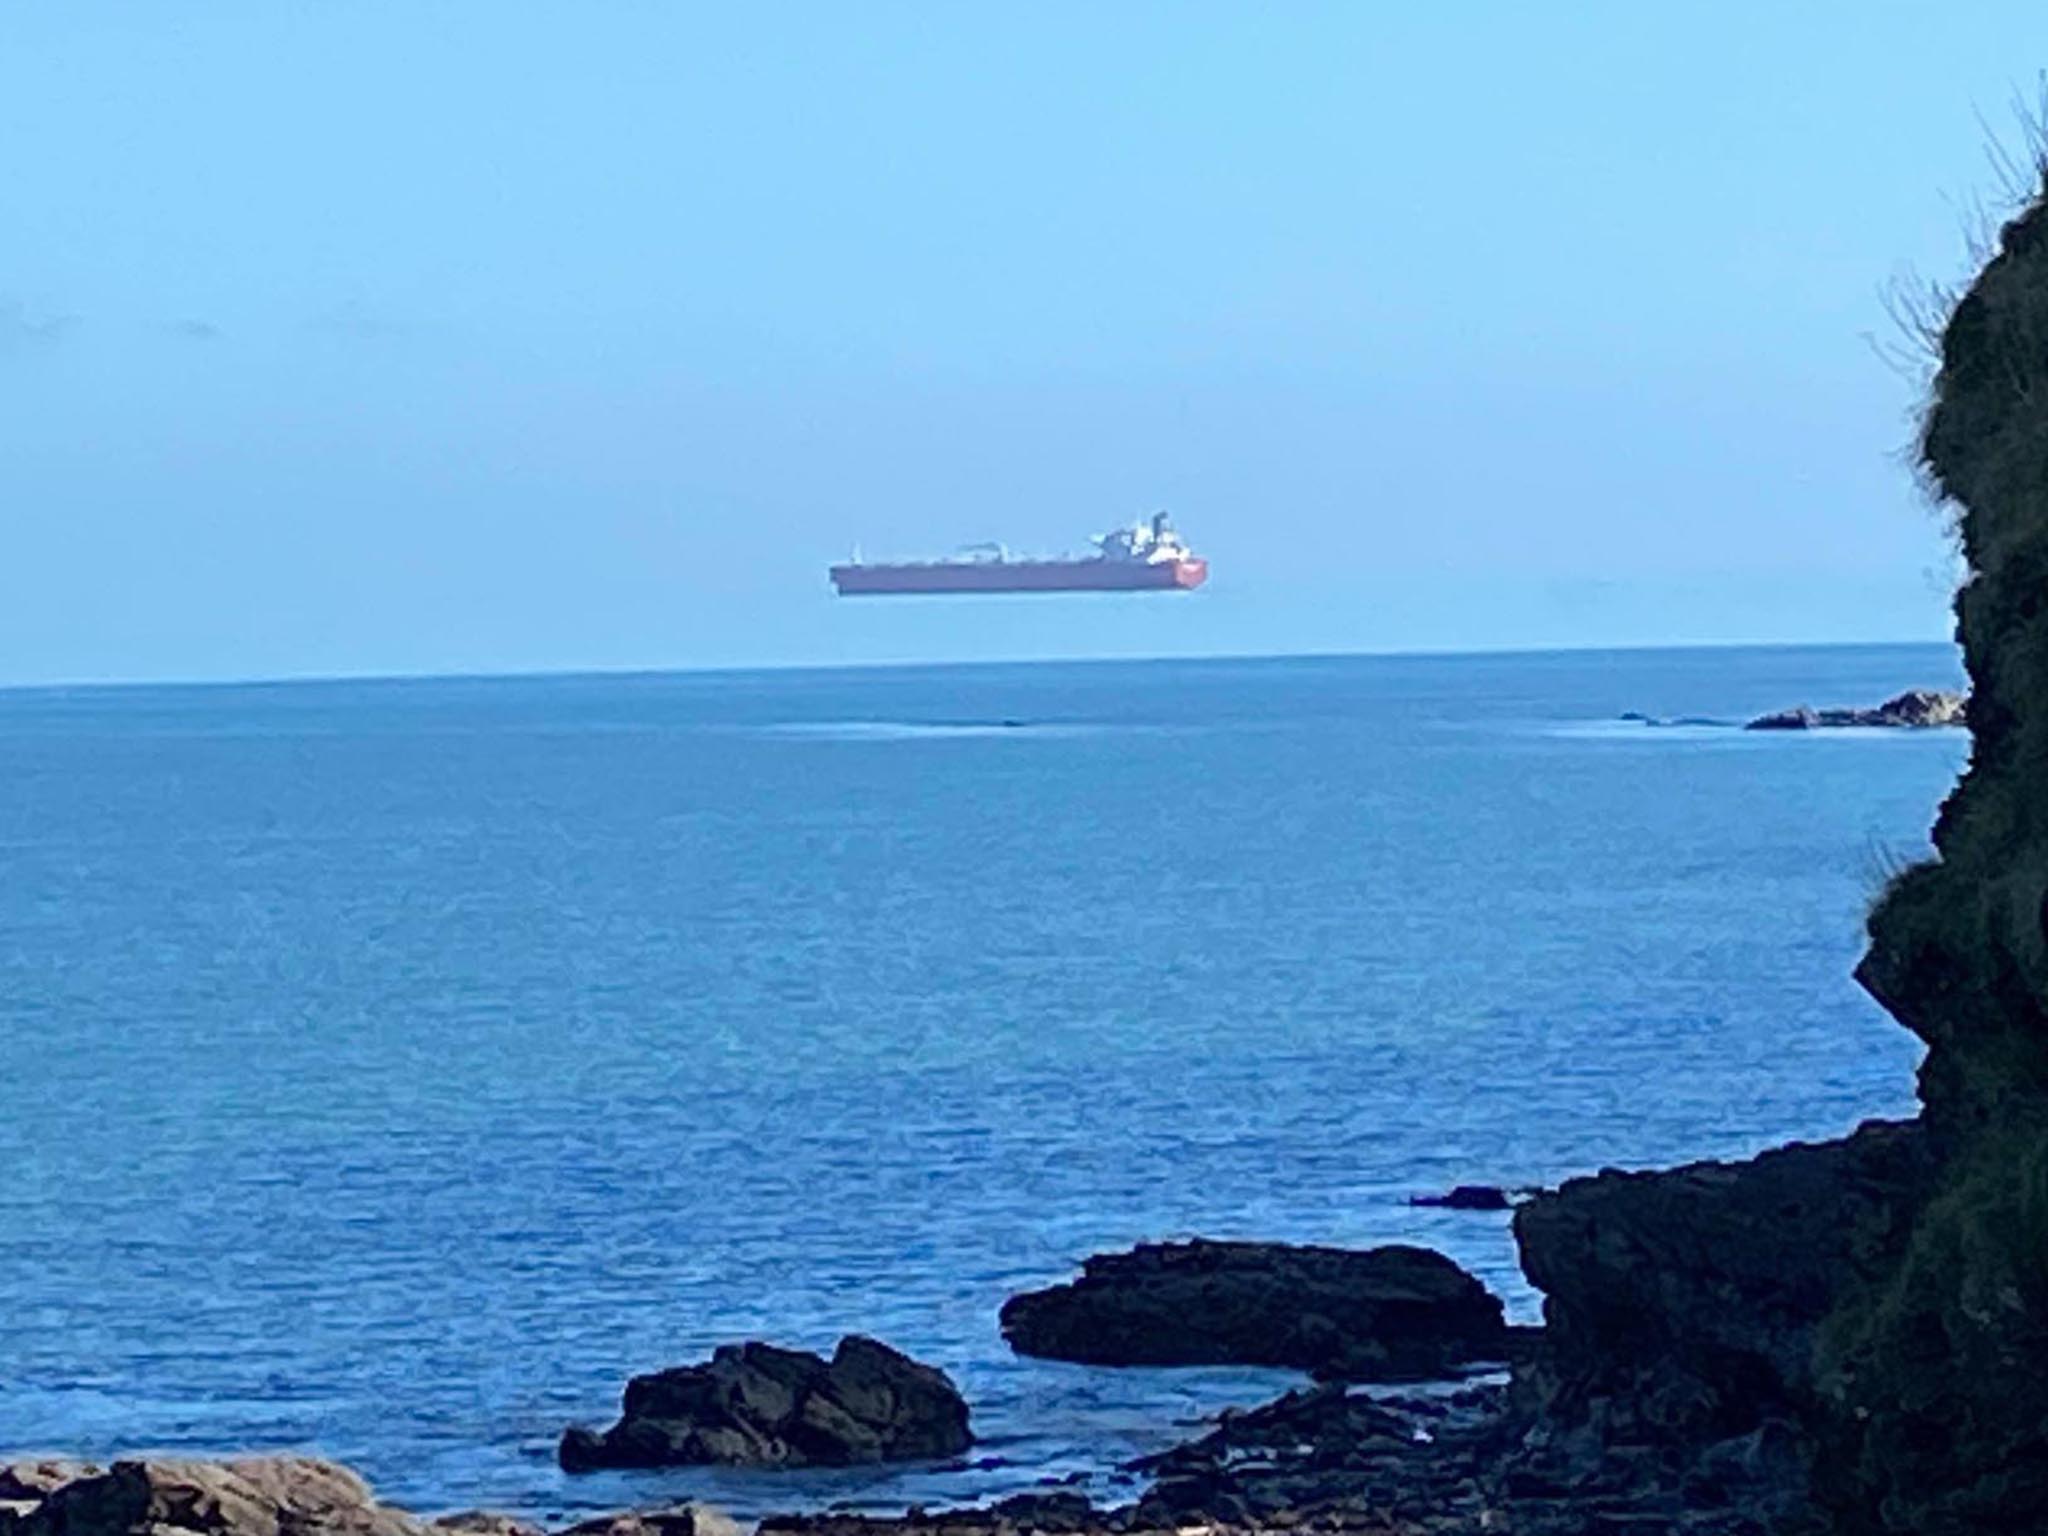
x=480 y=337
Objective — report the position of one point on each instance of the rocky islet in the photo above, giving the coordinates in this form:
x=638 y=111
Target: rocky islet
x=754 y=1405
x=1379 y=1314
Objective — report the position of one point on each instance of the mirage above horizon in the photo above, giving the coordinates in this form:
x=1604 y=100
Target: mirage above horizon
x=1145 y=557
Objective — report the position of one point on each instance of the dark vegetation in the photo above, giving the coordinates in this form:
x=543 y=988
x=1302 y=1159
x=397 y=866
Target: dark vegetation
x=1937 y=1407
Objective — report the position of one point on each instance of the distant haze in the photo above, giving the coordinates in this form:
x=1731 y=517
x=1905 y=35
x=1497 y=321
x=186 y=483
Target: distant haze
x=478 y=337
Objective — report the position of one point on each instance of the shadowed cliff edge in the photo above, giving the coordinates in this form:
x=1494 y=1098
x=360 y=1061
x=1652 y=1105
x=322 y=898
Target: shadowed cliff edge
x=1938 y=1408
x=1868 y=1317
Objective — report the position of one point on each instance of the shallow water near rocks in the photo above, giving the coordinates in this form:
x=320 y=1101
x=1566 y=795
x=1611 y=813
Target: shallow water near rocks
x=396 y=1067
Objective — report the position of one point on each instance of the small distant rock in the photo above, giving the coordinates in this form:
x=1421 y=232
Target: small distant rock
x=1467 y=1197
x=1637 y=717
x=1800 y=719
x=754 y=1405
x=1380 y=1314
x=1916 y=709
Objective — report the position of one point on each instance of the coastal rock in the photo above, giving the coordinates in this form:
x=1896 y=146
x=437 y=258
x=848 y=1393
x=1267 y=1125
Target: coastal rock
x=681 y=1520
x=1682 y=1307
x=35 y=1478
x=1916 y=709
x=756 y=1405
x=488 y=1522
x=1936 y=1406
x=1379 y=1314
x=265 y=1496
x=1801 y=719
x=1052 y=1514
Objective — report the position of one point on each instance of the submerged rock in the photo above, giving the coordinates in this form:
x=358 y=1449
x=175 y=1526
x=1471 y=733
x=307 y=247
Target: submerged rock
x=1467 y=1197
x=1916 y=709
x=754 y=1405
x=1378 y=1314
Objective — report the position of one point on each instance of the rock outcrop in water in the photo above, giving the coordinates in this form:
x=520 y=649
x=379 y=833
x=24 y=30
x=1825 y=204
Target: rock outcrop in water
x=1915 y=710
x=1379 y=1314
x=754 y=1405
x=1467 y=1197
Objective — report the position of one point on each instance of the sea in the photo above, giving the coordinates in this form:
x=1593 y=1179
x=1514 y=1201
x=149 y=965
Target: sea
x=392 y=1068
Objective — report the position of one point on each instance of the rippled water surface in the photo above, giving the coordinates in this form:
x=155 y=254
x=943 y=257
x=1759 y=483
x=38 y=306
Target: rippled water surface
x=395 y=1067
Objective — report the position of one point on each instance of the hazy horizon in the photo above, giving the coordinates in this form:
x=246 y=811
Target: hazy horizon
x=570 y=674
x=499 y=340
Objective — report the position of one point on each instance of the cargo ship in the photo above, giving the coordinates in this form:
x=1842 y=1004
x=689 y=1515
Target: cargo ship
x=1145 y=557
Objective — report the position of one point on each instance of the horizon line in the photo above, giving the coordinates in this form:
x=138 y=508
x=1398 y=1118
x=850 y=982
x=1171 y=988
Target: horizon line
x=564 y=674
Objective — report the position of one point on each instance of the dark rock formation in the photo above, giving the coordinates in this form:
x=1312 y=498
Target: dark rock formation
x=1932 y=1373
x=1380 y=1314
x=682 y=1520
x=1467 y=1197
x=1916 y=709
x=754 y=1405
x=266 y=1496
x=489 y=1522
x=1331 y=1461
x=1852 y=1334
x=36 y=1478
x=1683 y=1309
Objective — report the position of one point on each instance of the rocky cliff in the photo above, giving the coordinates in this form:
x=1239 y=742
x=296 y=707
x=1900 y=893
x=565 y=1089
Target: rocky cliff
x=1941 y=1408
x=1856 y=1330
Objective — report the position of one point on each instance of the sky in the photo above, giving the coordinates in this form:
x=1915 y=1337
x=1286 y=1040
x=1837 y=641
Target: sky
x=486 y=336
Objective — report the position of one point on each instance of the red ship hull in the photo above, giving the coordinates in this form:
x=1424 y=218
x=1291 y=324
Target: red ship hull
x=1020 y=576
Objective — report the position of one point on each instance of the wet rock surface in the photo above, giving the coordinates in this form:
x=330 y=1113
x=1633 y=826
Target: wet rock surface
x=1916 y=709
x=260 y=1496
x=1332 y=1459
x=269 y=1496
x=486 y=1522
x=1682 y=1306
x=1379 y=1314
x=681 y=1520
x=754 y=1405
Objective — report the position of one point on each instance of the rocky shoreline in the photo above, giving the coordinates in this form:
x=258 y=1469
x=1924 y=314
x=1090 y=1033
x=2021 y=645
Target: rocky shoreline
x=1543 y=1452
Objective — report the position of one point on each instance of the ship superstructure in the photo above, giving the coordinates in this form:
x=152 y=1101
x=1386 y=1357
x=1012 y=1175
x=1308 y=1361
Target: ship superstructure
x=1148 y=556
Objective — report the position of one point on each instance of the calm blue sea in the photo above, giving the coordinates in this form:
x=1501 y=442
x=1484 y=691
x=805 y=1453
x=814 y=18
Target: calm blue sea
x=394 y=1067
